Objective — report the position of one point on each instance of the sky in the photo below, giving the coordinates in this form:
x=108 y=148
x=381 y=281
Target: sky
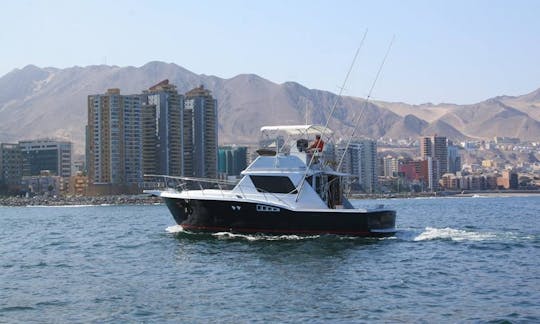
x=444 y=51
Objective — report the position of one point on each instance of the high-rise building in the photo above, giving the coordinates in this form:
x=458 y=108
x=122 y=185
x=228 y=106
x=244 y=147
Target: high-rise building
x=440 y=153
x=360 y=160
x=232 y=160
x=114 y=138
x=433 y=174
x=10 y=165
x=390 y=166
x=149 y=134
x=200 y=104
x=436 y=148
x=132 y=138
x=165 y=142
x=45 y=154
x=156 y=132
x=454 y=159
x=426 y=147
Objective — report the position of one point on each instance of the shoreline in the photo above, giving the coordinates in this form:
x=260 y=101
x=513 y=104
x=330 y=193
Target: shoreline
x=143 y=199
x=447 y=194
x=80 y=201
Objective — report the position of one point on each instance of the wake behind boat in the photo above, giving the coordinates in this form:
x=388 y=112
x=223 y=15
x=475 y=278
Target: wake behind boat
x=287 y=189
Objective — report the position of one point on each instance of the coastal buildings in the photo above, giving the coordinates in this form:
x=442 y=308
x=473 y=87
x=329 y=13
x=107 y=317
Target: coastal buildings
x=454 y=158
x=41 y=165
x=45 y=183
x=477 y=182
x=200 y=104
x=360 y=159
x=114 y=140
x=10 y=166
x=390 y=166
x=164 y=140
x=45 y=154
x=417 y=172
x=156 y=132
x=436 y=148
x=232 y=160
x=161 y=102
x=78 y=184
x=508 y=180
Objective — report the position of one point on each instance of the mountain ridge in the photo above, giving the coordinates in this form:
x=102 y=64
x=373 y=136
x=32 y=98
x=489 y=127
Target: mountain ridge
x=51 y=102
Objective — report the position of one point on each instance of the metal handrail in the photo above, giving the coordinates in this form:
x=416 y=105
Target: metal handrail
x=214 y=181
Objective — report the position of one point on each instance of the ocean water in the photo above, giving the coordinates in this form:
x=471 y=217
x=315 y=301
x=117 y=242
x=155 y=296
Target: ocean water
x=453 y=260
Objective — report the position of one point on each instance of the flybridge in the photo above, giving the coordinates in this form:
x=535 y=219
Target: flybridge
x=278 y=162
x=298 y=129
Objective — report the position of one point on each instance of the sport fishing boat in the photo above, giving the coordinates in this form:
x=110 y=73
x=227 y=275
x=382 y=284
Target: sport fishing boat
x=286 y=190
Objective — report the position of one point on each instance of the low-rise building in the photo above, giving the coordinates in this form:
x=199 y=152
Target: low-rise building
x=449 y=181
x=508 y=180
x=78 y=184
x=10 y=167
x=46 y=154
x=45 y=184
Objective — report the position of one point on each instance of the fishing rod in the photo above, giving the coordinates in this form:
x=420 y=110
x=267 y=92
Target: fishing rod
x=366 y=102
x=333 y=109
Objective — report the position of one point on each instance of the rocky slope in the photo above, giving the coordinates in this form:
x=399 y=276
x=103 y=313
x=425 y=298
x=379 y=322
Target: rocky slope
x=49 y=102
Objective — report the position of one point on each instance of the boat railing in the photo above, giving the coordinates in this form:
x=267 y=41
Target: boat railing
x=181 y=184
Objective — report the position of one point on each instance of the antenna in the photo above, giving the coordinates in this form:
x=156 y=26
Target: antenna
x=366 y=102
x=333 y=109
x=343 y=85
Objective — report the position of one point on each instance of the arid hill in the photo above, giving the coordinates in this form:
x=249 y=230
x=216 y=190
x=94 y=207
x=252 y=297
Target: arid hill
x=49 y=102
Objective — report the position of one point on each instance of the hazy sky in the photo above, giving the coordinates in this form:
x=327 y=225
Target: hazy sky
x=445 y=51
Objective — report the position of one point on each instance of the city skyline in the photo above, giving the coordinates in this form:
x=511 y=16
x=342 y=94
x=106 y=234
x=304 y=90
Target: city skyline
x=157 y=132
x=459 y=52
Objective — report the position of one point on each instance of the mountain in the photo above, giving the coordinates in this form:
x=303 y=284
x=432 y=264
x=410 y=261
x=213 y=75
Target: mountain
x=50 y=102
x=409 y=126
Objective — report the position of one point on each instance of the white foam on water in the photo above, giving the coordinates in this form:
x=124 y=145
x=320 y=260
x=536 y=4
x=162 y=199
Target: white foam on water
x=479 y=196
x=403 y=234
x=174 y=229
x=431 y=233
x=261 y=237
x=59 y=206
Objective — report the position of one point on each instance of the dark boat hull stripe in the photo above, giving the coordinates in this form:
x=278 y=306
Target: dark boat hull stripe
x=250 y=217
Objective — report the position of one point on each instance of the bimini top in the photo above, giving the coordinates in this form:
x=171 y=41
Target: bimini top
x=299 y=129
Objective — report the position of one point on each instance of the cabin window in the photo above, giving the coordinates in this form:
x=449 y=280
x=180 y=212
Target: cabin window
x=273 y=184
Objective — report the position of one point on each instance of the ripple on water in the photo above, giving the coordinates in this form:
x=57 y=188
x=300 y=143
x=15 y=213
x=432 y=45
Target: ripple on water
x=52 y=303
x=450 y=261
x=40 y=264
x=15 y=308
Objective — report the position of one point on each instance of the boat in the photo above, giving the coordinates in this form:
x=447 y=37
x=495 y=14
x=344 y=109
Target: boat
x=286 y=190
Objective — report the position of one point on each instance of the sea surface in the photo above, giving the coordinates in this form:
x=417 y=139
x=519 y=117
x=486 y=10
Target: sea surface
x=453 y=260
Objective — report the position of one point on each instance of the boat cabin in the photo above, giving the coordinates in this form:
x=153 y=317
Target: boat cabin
x=287 y=168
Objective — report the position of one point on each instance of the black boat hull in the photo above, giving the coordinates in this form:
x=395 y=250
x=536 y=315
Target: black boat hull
x=197 y=215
